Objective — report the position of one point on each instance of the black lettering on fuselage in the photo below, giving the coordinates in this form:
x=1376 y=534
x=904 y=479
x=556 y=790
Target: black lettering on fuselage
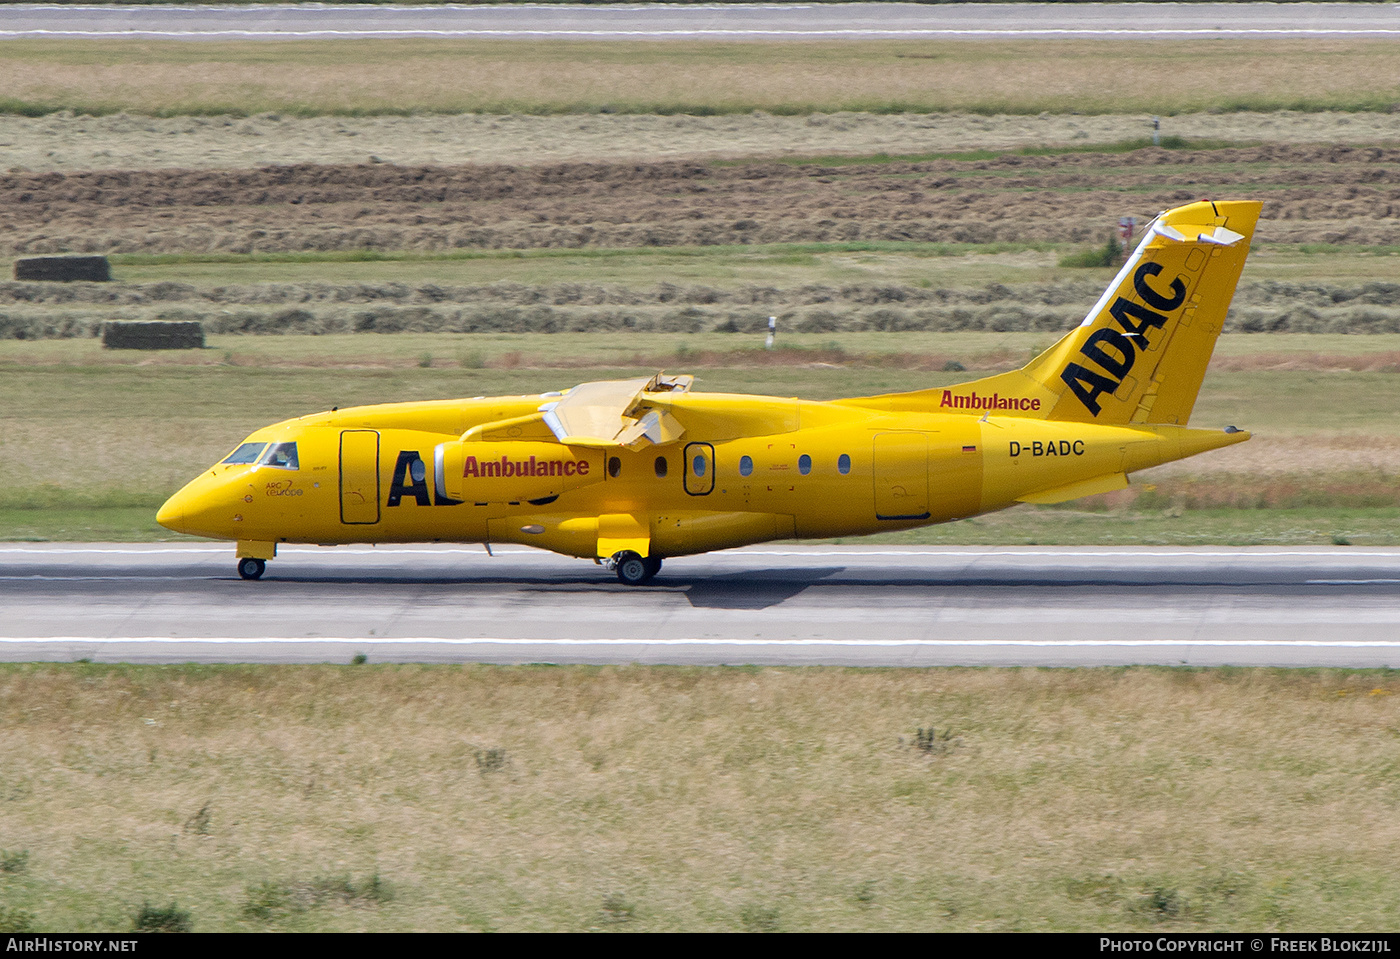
x=408 y=480
x=1047 y=448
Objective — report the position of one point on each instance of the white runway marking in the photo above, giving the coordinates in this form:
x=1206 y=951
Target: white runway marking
x=466 y=34
x=365 y=641
x=301 y=551
x=727 y=22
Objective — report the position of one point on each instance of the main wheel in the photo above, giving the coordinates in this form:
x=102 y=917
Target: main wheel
x=632 y=569
x=653 y=565
x=250 y=568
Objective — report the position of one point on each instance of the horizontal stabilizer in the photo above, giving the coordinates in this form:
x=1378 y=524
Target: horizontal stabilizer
x=1088 y=487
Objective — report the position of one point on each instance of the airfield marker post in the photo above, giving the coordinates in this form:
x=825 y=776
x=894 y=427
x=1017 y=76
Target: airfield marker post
x=1126 y=225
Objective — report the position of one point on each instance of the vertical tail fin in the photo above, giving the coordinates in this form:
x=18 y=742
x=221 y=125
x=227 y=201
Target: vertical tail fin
x=1142 y=351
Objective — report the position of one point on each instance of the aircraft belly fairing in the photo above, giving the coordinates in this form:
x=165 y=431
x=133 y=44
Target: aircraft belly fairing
x=633 y=471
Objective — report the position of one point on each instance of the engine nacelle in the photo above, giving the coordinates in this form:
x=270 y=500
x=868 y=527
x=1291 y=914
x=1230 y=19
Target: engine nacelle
x=511 y=472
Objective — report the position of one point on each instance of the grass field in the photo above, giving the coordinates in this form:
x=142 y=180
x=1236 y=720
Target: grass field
x=386 y=798
x=376 y=77
x=781 y=265
x=93 y=441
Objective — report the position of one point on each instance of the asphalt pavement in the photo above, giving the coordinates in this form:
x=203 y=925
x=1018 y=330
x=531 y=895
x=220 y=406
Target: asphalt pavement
x=777 y=604
x=707 y=21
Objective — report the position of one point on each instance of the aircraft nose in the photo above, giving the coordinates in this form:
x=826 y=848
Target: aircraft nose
x=195 y=509
x=172 y=514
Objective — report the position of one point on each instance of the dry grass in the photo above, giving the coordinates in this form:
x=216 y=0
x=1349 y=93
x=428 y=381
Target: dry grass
x=66 y=142
x=84 y=427
x=680 y=799
x=412 y=76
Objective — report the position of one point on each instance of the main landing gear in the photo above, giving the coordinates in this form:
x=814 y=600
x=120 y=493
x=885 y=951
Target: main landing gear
x=250 y=568
x=634 y=569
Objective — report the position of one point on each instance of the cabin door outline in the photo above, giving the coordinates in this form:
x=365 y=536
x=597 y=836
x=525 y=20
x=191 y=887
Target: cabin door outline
x=699 y=483
x=359 y=477
x=900 y=470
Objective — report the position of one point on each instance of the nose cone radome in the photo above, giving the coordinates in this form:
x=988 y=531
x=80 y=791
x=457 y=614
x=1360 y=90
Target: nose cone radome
x=172 y=514
x=202 y=508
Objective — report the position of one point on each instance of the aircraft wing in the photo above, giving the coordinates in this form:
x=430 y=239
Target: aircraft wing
x=616 y=413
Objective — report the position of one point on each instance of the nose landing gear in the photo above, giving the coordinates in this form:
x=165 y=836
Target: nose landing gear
x=633 y=569
x=250 y=568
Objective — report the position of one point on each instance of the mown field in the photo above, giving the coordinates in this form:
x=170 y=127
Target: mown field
x=383 y=798
x=327 y=285
x=395 y=77
x=95 y=440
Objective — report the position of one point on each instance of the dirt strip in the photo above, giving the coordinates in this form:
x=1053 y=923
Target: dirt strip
x=1312 y=194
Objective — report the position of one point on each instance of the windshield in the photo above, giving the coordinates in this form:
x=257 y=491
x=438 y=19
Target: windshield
x=282 y=456
x=247 y=453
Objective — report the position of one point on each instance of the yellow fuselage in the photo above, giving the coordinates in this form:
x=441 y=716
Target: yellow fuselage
x=746 y=470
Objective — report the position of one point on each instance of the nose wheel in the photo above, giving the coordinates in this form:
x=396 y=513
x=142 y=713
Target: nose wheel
x=633 y=569
x=250 y=568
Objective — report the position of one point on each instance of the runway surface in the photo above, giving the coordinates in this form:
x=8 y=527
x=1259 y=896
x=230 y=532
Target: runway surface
x=852 y=605
x=713 y=22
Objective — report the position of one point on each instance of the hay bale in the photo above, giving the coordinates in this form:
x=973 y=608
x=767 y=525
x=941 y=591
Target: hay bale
x=153 y=335
x=63 y=269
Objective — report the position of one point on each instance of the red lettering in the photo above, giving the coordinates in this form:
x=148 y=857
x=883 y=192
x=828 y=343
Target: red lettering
x=994 y=402
x=470 y=468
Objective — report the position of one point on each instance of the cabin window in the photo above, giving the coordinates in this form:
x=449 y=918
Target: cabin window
x=661 y=467
x=804 y=464
x=745 y=465
x=614 y=467
x=247 y=453
x=281 y=455
x=843 y=464
x=699 y=479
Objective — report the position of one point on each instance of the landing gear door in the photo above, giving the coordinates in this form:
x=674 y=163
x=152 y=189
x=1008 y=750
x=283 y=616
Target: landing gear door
x=699 y=468
x=359 y=477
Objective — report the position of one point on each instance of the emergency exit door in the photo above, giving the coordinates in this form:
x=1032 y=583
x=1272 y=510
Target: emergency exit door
x=359 y=477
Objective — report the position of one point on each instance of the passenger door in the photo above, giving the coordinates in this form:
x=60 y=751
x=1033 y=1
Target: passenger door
x=359 y=477
x=901 y=475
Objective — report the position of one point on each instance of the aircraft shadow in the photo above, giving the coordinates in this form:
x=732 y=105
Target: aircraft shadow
x=759 y=589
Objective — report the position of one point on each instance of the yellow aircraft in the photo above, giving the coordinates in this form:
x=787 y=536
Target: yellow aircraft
x=628 y=472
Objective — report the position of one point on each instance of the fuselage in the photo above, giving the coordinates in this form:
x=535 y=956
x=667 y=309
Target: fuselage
x=747 y=469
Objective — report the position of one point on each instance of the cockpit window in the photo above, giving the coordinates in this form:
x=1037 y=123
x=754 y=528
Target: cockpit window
x=281 y=455
x=247 y=453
